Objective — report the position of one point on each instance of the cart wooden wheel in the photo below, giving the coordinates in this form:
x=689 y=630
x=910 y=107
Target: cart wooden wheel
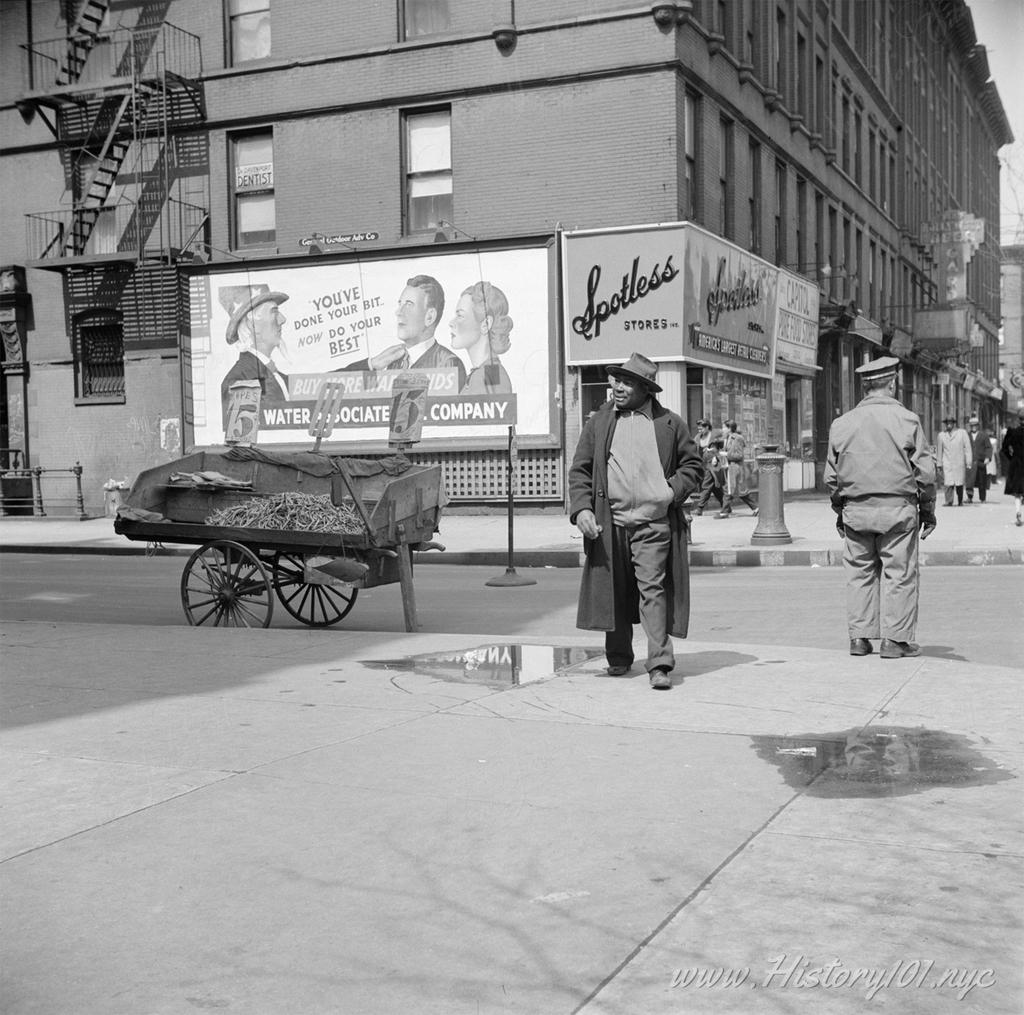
x=225 y=584
x=314 y=604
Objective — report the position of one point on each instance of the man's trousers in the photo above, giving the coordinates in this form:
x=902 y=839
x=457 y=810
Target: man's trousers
x=641 y=561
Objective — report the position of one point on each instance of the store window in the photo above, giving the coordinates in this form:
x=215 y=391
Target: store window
x=99 y=357
x=255 y=218
x=248 y=30
x=424 y=17
x=428 y=169
x=595 y=390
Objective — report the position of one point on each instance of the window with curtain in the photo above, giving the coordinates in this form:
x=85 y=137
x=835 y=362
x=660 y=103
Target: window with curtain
x=424 y=17
x=428 y=169
x=248 y=30
x=255 y=219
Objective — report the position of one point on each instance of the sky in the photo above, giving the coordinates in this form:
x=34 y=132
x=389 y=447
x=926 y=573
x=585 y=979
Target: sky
x=999 y=27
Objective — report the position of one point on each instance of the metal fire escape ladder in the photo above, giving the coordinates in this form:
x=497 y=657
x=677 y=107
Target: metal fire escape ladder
x=81 y=39
x=115 y=114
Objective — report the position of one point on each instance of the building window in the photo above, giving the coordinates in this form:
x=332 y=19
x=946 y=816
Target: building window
x=780 y=213
x=754 y=239
x=428 y=169
x=801 y=223
x=99 y=357
x=252 y=156
x=725 y=175
x=690 y=107
x=424 y=17
x=780 y=55
x=248 y=30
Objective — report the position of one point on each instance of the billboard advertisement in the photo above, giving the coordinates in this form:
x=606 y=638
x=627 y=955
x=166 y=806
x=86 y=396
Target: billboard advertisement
x=474 y=325
x=672 y=292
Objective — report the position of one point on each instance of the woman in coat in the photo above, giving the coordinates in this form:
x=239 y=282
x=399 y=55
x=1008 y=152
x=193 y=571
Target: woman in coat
x=1013 y=449
x=954 y=460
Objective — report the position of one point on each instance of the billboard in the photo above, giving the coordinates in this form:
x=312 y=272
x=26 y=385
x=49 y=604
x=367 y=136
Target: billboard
x=672 y=292
x=475 y=324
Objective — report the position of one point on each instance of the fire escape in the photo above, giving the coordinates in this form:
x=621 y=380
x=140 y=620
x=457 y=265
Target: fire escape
x=126 y=107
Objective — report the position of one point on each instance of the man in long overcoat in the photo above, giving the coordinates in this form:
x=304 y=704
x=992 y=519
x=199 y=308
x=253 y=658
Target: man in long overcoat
x=635 y=465
x=954 y=460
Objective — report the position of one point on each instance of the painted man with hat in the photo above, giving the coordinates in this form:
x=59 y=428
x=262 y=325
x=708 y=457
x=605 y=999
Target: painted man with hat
x=954 y=460
x=255 y=328
x=634 y=466
x=981 y=455
x=880 y=476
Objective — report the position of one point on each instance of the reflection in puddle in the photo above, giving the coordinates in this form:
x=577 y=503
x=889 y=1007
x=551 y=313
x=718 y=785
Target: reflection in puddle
x=878 y=761
x=501 y=665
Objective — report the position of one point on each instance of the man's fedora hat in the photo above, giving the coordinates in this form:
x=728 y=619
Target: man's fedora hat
x=879 y=369
x=638 y=368
x=259 y=294
x=949 y=419
x=974 y=421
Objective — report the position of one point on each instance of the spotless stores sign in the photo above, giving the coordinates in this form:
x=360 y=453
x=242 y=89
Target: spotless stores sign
x=673 y=292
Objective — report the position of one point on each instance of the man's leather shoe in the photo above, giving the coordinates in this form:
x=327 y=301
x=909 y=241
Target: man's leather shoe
x=860 y=647
x=660 y=680
x=898 y=649
x=617 y=671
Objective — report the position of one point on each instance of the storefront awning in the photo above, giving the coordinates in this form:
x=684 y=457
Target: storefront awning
x=864 y=327
x=787 y=366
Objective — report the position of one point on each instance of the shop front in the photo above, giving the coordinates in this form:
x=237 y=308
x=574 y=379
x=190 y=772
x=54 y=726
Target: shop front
x=701 y=307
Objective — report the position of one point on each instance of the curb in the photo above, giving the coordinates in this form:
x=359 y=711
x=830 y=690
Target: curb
x=572 y=558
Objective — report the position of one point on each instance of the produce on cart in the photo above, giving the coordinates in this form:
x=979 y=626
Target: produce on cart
x=309 y=527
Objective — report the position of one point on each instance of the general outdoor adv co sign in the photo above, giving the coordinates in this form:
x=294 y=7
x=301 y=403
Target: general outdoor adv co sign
x=474 y=325
x=672 y=292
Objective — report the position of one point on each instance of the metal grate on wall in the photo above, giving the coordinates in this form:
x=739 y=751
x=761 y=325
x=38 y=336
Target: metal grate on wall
x=481 y=475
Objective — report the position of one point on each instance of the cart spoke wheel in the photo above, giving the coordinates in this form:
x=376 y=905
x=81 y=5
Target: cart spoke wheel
x=313 y=604
x=225 y=585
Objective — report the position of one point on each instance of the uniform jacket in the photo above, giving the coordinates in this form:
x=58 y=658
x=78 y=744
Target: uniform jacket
x=954 y=456
x=877 y=452
x=588 y=488
x=250 y=367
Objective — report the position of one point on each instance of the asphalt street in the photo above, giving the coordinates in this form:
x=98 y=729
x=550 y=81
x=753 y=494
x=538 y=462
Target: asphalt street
x=966 y=612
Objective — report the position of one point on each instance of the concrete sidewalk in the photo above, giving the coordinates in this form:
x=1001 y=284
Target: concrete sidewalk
x=975 y=534
x=270 y=821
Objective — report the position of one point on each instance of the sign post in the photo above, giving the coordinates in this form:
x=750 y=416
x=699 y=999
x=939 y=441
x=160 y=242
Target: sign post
x=510 y=577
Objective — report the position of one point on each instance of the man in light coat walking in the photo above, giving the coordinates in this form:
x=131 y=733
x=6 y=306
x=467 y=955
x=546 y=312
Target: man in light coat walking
x=954 y=460
x=634 y=466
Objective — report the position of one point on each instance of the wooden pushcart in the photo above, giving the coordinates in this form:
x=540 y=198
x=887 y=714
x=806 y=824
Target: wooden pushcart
x=235 y=574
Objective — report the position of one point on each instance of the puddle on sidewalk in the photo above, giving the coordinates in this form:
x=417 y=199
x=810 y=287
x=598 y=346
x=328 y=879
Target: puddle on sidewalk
x=877 y=761
x=504 y=664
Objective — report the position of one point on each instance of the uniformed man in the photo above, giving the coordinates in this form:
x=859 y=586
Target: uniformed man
x=880 y=476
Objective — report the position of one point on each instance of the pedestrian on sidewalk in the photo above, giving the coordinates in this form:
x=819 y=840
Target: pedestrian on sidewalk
x=954 y=460
x=1013 y=449
x=735 y=482
x=634 y=466
x=709 y=443
x=880 y=477
x=981 y=455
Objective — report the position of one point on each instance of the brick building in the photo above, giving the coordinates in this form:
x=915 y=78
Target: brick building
x=191 y=151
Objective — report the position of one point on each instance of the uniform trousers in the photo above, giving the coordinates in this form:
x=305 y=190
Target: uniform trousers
x=880 y=556
x=640 y=561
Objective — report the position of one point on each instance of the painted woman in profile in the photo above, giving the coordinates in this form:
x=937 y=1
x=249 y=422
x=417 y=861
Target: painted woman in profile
x=481 y=326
